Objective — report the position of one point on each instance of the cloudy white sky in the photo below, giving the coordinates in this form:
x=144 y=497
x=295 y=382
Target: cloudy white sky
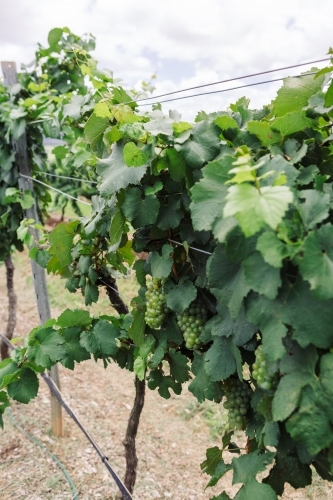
x=184 y=42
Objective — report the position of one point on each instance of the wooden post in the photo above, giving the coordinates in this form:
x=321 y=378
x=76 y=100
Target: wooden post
x=38 y=273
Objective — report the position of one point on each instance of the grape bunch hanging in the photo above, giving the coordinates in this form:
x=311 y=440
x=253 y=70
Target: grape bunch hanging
x=238 y=396
x=191 y=322
x=265 y=380
x=156 y=305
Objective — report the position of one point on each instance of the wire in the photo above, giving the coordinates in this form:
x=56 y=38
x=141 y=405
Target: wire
x=56 y=392
x=233 y=79
x=70 y=178
x=54 y=189
x=192 y=248
x=224 y=90
x=117 y=291
x=43 y=447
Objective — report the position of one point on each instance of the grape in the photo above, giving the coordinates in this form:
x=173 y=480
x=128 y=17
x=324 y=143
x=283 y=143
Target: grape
x=156 y=307
x=265 y=380
x=238 y=395
x=191 y=322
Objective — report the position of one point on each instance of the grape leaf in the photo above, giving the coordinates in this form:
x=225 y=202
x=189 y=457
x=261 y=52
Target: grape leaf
x=134 y=156
x=4 y=403
x=180 y=296
x=74 y=351
x=116 y=174
x=226 y=281
x=253 y=489
x=170 y=215
x=201 y=386
x=311 y=424
x=137 y=329
x=222 y=359
x=288 y=393
x=203 y=146
x=76 y=317
x=315 y=208
x=26 y=388
x=178 y=366
x=47 y=348
x=177 y=164
x=225 y=122
x=141 y=212
x=290 y=123
x=295 y=93
x=260 y=276
x=254 y=209
x=164 y=384
x=317 y=263
x=272 y=249
x=311 y=318
x=61 y=241
x=106 y=335
x=94 y=130
x=264 y=132
x=288 y=469
x=161 y=264
x=246 y=467
x=208 y=197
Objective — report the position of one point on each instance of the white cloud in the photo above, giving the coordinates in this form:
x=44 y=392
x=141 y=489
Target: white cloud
x=188 y=43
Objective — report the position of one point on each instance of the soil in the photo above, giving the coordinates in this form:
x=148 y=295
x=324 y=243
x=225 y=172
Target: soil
x=170 y=446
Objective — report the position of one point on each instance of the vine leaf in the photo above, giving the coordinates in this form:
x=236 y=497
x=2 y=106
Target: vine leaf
x=203 y=146
x=161 y=264
x=76 y=317
x=287 y=395
x=180 y=296
x=178 y=366
x=227 y=281
x=253 y=489
x=264 y=132
x=272 y=249
x=201 y=386
x=141 y=212
x=223 y=359
x=116 y=174
x=317 y=263
x=94 y=130
x=254 y=209
x=295 y=93
x=260 y=276
x=246 y=467
x=47 y=348
x=311 y=424
x=208 y=198
x=61 y=240
x=291 y=123
x=136 y=331
x=288 y=469
x=164 y=384
x=73 y=348
x=134 y=156
x=315 y=207
x=26 y=388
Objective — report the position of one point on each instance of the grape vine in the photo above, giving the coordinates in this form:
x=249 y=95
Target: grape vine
x=234 y=215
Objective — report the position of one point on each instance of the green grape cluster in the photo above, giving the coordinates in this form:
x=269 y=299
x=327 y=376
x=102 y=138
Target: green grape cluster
x=238 y=396
x=156 y=305
x=191 y=322
x=265 y=380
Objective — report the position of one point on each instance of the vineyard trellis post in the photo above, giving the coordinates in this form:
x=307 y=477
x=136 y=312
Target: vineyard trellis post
x=39 y=278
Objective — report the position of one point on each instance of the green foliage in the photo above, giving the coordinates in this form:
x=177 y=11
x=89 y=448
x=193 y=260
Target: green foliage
x=233 y=211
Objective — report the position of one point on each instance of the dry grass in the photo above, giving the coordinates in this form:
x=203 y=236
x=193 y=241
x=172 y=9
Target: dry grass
x=172 y=439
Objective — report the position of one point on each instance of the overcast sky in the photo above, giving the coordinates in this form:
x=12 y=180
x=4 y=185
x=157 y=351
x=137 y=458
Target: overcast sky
x=184 y=42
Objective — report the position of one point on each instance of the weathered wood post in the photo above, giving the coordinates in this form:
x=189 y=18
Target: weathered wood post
x=43 y=306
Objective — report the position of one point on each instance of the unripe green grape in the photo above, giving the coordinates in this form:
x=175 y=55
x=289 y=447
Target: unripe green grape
x=238 y=395
x=191 y=322
x=265 y=380
x=156 y=306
